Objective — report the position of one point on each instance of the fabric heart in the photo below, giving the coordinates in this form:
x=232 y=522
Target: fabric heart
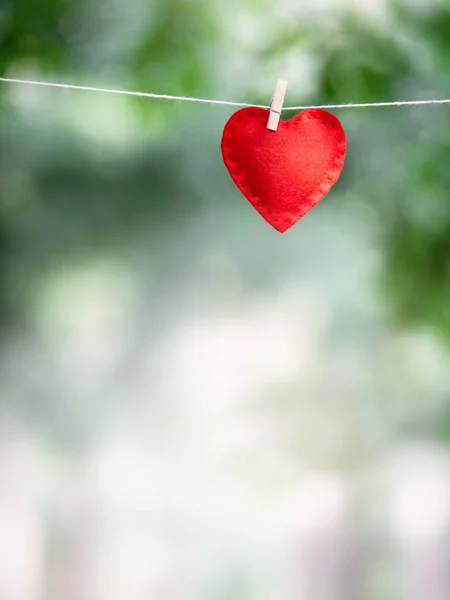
x=284 y=173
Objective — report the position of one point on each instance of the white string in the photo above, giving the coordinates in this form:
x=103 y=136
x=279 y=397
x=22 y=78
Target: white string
x=67 y=86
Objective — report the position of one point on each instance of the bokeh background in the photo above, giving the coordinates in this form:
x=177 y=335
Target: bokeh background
x=193 y=406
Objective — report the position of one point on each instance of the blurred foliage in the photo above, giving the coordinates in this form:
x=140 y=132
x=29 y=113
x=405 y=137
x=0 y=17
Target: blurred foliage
x=91 y=180
x=174 y=47
x=360 y=63
x=171 y=52
x=366 y=65
x=36 y=33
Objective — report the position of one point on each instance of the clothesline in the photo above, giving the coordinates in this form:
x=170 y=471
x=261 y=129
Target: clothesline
x=84 y=88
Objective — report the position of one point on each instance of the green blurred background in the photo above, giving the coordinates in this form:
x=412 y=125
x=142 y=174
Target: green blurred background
x=193 y=405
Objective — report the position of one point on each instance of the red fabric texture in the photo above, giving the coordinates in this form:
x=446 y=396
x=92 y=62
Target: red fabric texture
x=284 y=173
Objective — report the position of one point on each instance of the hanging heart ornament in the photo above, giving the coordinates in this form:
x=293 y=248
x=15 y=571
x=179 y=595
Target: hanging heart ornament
x=284 y=173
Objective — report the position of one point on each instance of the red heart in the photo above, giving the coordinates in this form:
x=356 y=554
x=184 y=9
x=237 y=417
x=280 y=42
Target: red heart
x=284 y=173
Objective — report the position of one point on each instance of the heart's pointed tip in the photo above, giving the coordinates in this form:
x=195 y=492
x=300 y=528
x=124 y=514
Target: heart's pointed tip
x=281 y=228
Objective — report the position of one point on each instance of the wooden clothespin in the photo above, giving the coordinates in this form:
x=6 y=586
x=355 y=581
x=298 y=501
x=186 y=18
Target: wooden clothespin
x=276 y=105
